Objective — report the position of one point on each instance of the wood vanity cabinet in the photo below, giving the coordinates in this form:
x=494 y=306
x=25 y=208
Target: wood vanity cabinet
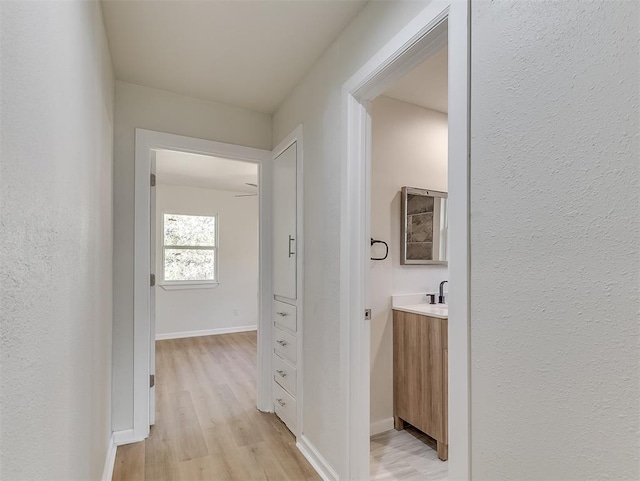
x=420 y=375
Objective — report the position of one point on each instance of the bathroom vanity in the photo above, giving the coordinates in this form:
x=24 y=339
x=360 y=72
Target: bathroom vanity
x=420 y=357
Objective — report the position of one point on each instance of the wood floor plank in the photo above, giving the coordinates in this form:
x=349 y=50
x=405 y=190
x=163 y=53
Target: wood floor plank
x=187 y=433
x=207 y=468
x=160 y=458
x=207 y=425
x=129 y=462
x=270 y=468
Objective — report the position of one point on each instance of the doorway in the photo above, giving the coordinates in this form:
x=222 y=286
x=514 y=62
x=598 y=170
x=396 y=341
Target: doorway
x=204 y=251
x=148 y=146
x=409 y=257
x=441 y=23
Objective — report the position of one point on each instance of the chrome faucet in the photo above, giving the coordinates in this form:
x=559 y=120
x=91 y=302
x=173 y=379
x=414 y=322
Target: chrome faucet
x=441 y=296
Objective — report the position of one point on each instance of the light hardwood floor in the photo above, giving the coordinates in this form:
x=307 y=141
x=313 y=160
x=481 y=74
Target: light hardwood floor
x=406 y=455
x=207 y=425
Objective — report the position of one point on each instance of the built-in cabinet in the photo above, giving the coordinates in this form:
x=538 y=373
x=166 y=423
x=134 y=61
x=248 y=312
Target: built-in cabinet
x=420 y=375
x=284 y=223
x=286 y=323
x=285 y=356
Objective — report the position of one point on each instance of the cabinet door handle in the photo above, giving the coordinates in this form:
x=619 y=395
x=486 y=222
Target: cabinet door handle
x=281 y=372
x=283 y=314
x=281 y=342
x=291 y=239
x=281 y=402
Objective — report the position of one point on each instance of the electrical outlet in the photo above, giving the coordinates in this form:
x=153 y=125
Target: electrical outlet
x=236 y=312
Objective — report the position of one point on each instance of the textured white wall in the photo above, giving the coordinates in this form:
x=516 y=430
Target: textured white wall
x=409 y=147
x=152 y=109
x=316 y=102
x=555 y=235
x=56 y=109
x=199 y=309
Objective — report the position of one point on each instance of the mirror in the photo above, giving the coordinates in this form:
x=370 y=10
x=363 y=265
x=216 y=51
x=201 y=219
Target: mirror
x=424 y=227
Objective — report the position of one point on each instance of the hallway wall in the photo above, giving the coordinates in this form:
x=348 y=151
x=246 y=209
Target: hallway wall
x=555 y=234
x=555 y=240
x=142 y=107
x=56 y=112
x=233 y=303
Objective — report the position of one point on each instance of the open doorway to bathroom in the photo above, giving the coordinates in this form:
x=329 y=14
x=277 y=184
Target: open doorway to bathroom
x=441 y=24
x=408 y=275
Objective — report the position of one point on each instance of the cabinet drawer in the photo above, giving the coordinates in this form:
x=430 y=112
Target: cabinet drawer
x=285 y=406
x=284 y=344
x=284 y=316
x=284 y=374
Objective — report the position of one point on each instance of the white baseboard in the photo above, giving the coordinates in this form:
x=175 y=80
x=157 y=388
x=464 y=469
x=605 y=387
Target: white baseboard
x=324 y=469
x=379 y=427
x=125 y=437
x=205 y=332
x=110 y=461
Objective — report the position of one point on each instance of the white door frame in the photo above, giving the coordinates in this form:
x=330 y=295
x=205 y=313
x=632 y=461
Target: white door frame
x=147 y=142
x=404 y=52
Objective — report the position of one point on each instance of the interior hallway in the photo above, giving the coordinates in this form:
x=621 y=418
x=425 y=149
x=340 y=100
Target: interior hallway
x=207 y=425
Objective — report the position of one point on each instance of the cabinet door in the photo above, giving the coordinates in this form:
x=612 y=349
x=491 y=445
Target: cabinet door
x=419 y=372
x=284 y=223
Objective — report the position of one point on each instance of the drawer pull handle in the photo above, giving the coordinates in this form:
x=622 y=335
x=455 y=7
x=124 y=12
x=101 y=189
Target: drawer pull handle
x=283 y=314
x=281 y=372
x=281 y=402
x=281 y=342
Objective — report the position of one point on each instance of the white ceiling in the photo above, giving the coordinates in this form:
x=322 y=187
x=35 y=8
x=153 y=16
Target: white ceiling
x=426 y=85
x=246 y=53
x=179 y=168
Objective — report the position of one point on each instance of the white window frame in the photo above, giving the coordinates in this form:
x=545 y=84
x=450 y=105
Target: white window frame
x=191 y=284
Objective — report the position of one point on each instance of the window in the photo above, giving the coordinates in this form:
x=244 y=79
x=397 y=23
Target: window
x=189 y=250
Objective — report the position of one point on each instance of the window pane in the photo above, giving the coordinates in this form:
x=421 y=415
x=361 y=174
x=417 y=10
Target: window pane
x=189 y=265
x=189 y=230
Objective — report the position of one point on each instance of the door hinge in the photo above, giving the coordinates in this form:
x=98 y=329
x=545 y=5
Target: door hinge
x=152 y=280
x=367 y=314
x=152 y=380
x=153 y=180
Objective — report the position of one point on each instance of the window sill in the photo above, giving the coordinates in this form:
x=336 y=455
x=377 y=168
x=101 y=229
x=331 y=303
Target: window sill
x=189 y=285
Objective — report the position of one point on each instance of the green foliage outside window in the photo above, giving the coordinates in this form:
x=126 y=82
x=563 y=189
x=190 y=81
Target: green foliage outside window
x=189 y=247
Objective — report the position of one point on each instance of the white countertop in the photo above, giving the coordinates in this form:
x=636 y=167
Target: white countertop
x=418 y=304
x=432 y=310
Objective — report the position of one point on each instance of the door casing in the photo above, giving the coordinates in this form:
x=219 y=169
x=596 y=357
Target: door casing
x=406 y=50
x=146 y=144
